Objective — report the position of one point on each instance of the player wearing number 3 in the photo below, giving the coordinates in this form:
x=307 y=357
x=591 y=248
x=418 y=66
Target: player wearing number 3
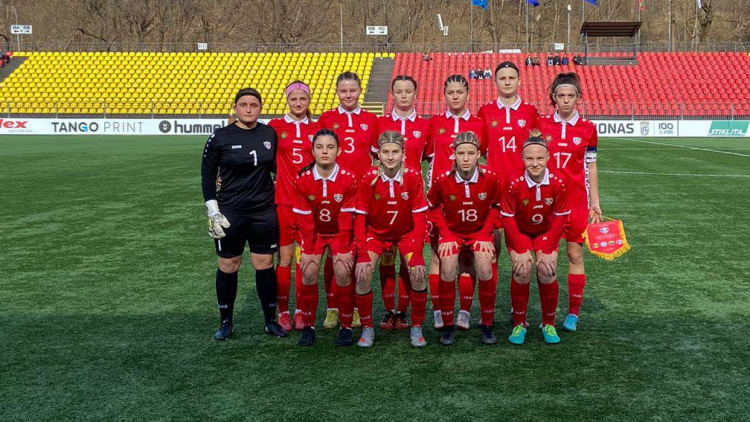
x=573 y=146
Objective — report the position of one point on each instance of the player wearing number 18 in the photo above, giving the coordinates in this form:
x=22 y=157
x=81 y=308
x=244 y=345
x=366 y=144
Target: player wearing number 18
x=242 y=212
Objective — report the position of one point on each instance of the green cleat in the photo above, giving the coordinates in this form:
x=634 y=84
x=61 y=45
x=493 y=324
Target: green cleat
x=550 y=334
x=518 y=336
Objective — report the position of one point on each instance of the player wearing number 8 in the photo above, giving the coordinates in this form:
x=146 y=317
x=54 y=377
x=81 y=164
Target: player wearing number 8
x=573 y=149
x=294 y=132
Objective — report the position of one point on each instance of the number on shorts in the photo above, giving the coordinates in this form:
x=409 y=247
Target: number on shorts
x=325 y=215
x=395 y=214
x=510 y=145
x=565 y=155
x=537 y=218
x=350 y=145
x=468 y=215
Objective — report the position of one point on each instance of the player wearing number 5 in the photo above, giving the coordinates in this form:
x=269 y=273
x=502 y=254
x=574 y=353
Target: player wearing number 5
x=573 y=147
x=294 y=132
x=463 y=205
x=243 y=156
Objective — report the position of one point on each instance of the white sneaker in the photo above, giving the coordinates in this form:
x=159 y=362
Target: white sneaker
x=417 y=339
x=368 y=336
x=438 y=320
x=464 y=320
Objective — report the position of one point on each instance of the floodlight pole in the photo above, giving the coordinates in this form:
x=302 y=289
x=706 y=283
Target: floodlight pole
x=567 y=44
x=15 y=13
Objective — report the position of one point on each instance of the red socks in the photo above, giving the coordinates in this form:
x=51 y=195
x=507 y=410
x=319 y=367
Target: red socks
x=283 y=284
x=519 y=296
x=548 y=294
x=434 y=282
x=297 y=285
x=487 y=296
x=465 y=292
x=364 y=306
x=418 y=308
x=329 y=285
x=345 y=296
x=576 y=282
x=447 y=301
x=308 y=303
x=404 y=287
x=388 y=286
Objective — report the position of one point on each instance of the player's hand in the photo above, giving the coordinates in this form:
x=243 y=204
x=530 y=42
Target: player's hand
x=305 y=260
x=418 y=272
x=362 y=270
x=347 y=259
x=218 y=182
x=521 y=263
x=446 y=249
x=547 y=263
x=595 y=214
x=485 y=249
x=216 y=221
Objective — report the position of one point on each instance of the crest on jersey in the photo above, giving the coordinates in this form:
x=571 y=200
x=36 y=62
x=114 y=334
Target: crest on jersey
x=405 y=195
x=494 y=123
x=267 y=145
x=338 y=197
x=521 y=122
x=284 y=135
x=577 y=140
x=417 y=134
x=441 y=130
x=311 y=198
x=483 y=196
x=377 y=197
x=525 y=202
x=549 y=138
x=335 y=126
x=310 y=137
x=548 y=201
x=452 y=198
x=363 y=126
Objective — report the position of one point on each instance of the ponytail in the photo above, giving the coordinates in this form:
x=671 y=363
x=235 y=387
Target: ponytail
x=561 y=79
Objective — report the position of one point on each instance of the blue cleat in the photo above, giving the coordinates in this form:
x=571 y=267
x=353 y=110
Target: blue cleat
x=550 y=334
x=571 y=321
x=518 y=336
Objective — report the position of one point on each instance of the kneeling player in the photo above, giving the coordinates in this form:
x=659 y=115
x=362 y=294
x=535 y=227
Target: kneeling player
x=391 y=212
x=462 y=208
x=535 y=212
x=326 y=200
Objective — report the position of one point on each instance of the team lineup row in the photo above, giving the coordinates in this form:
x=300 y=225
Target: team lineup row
x=328 y=197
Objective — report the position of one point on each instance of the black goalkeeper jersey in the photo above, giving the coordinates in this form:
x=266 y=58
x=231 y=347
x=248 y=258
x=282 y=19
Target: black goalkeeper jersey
x=245 y=160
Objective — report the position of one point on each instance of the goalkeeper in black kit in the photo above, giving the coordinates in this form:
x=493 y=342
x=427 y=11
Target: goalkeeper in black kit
x=243 y=155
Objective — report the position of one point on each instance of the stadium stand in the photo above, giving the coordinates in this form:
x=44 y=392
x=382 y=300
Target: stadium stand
x=662 y=85
x=170 y=83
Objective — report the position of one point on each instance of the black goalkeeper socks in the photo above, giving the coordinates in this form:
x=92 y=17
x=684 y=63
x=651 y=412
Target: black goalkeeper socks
x=226 y=293
x=265 y=283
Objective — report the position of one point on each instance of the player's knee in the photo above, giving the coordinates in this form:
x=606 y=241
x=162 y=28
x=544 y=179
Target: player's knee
x=418 y=283
x=310 y=277
x=484 y=271
x=261 y=261
x=575 y=257
x=230 y=265
x=285 y=260
x=448 y=270
x=522 y=279
x=342 y=274
x=362 y=287
x=544 y=278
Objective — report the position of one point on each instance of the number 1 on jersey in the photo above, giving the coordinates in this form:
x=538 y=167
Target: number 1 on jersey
x=255 y=157
x=511 y=145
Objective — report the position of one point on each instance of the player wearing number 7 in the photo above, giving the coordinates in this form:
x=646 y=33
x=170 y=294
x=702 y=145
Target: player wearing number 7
x=463 y=209
x=572 y=144
x=535 y=212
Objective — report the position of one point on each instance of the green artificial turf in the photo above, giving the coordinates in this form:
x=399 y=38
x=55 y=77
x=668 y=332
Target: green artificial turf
x=107 y=304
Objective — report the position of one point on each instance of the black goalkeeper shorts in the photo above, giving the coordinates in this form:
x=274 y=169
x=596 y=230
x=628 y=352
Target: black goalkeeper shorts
x=260 y=231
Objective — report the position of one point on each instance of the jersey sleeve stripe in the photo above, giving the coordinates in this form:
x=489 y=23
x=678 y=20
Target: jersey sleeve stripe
x=299 y=211
x=423 y=209
x=348 y=210
x=358 y=211
x=505 y=214
x=562 y=213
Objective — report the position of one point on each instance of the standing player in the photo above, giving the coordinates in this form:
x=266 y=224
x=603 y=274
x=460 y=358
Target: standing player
x=243 y=155
x=357 y=130
x=443 y=130
x=326 y=200
x=535 y=212
x=294 y=133
x=414 y=129
x=391 y=213
x=463 y=208
x=572 y=145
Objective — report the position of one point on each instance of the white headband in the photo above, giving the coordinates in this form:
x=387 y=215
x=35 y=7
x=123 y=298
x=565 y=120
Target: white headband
x=566 y=85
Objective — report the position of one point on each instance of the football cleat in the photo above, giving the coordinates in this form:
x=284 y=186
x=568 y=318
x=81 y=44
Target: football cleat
x=345 y=338
x=487 y=337
x=332 y=319
x=299 y=323
x=226 y=330
x=285 y=321
x=464 y=320
x=449 y=336
x=550 y=334
x=308 y=337
x=518 y=336
x=400 y=322
x=273 y=328
x=389 y=319
x=356 y=323
x=571 y=323
x=368 y=337
x=416 y=336
x=438 y=316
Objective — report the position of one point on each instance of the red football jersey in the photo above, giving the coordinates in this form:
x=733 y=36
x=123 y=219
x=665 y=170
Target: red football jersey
x=443 y=130
x=357 y=131
x=389 y=204
x=535 y=206
x=325 y=199
x=572 y=145
x=506 y=129
x=293 y=152
x=415 y=130
x=464 y=207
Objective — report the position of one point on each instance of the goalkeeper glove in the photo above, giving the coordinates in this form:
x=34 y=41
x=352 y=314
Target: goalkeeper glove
x=216 y=221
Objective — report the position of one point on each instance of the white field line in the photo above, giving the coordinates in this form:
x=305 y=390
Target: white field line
x=687 y=147
x=643 y=173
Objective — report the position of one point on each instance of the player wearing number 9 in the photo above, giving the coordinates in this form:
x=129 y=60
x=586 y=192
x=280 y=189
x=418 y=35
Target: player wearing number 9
x=573 y=149
x=295 y=132
x=242 y=154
